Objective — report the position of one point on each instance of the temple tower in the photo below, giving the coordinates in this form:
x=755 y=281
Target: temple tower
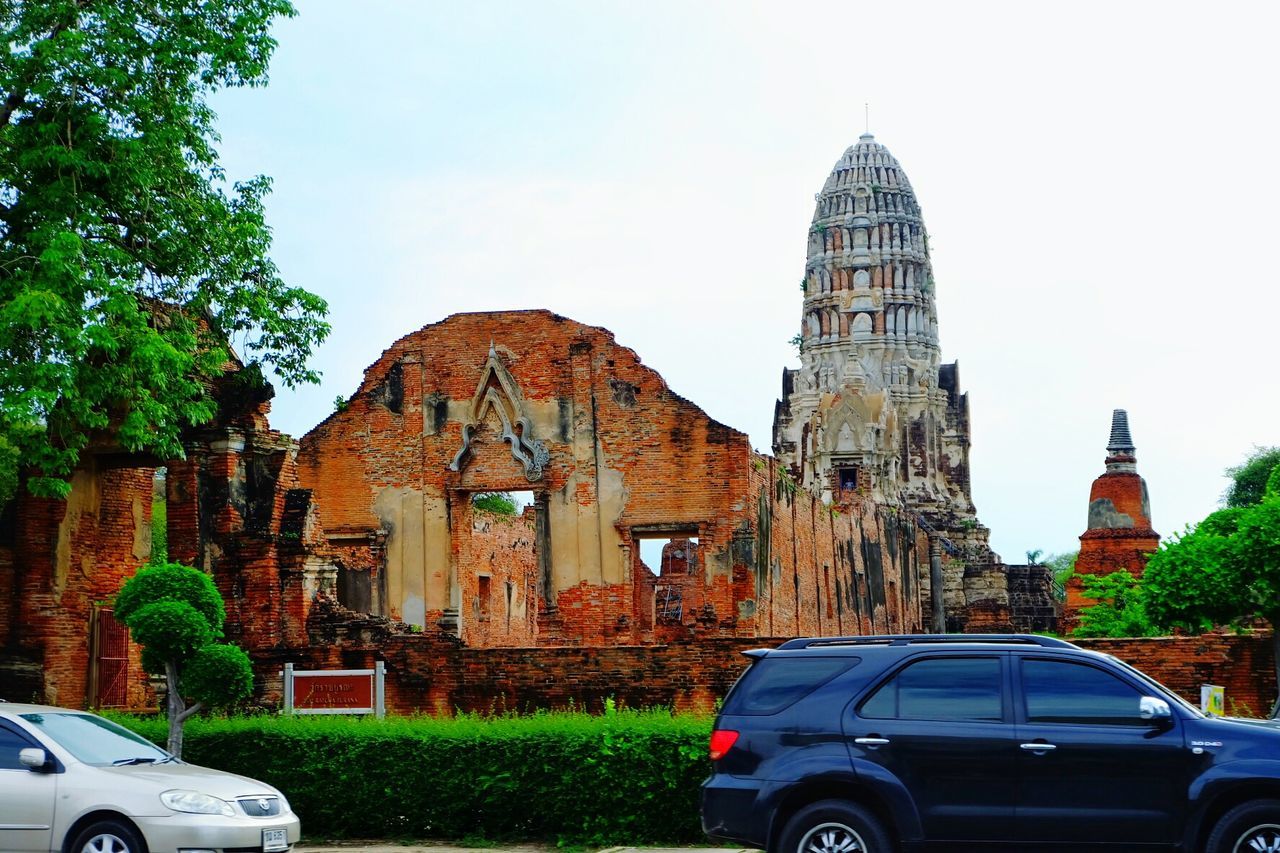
x=872 y=410
x=1119 y=536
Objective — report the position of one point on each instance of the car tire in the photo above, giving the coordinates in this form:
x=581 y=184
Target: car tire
x=834 y=826
x=1238 y=830
x=108 y=836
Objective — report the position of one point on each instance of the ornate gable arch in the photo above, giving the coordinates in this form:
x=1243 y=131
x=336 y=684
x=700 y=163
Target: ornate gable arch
x=499 y=392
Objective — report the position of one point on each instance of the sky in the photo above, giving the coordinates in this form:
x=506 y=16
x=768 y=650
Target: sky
x=1098 y=180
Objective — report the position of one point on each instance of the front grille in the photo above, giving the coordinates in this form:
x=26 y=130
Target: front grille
x=260 y=806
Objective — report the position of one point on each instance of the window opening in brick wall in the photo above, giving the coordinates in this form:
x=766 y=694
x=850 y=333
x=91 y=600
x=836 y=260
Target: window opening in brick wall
x=847 y=478
x=670 y=556
x=485 y=593
x=501 y=550
x=502 y=503
x=159 y=517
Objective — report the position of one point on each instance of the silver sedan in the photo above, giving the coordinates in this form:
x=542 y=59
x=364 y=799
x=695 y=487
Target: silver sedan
x=73 y=781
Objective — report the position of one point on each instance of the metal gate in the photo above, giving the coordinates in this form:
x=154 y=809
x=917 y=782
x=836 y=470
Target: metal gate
x=109 y=670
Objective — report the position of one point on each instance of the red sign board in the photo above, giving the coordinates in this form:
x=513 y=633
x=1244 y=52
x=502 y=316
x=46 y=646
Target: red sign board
x=323 y=690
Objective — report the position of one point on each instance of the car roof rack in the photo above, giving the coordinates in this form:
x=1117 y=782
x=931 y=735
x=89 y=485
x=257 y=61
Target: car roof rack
x=927 y=639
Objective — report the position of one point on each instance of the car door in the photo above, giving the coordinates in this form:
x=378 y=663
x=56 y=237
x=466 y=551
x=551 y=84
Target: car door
x=27 y=797
x=1090 y=769
x=942 y=726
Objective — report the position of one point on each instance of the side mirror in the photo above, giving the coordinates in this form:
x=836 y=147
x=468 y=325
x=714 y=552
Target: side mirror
x=1155 y=710
x=33 y=759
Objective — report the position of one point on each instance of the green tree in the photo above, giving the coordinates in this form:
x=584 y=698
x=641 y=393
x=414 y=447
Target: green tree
x=1225 y=570
x=128 y=268
x=498 y=503
x=1062 y=565
x=159 y=532
x=176 y=614
x=1120 y=611
x=1249 y=478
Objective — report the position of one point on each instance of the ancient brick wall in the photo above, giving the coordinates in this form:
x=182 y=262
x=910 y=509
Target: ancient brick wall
x=432 y=672
x=1243 y=665
x=70 y=557
x=849 y=568
x=529 y=400
x=1033 y=605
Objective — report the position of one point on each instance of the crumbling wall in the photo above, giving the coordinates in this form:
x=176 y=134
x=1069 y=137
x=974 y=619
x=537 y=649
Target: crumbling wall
x=70 y=557
x=527 y=400
x=434 y=673
x=849 y=568
x=1033 y=603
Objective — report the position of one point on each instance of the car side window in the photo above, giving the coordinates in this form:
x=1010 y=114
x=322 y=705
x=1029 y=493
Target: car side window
x=11 y=743
x=1065 y=692
x=945 y=688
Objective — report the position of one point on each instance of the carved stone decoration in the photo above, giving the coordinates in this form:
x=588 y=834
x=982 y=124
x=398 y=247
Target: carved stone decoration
x=498 y=391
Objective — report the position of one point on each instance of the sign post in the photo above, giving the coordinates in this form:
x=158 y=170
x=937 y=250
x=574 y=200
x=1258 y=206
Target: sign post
x=335 y=691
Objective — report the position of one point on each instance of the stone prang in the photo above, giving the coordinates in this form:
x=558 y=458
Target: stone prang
x=872 y=410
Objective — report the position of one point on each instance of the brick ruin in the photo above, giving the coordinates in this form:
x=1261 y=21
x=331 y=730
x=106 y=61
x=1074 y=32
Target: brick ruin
x=1119 y=535
x=642 y=521
x=531 y=401
x=372 y=513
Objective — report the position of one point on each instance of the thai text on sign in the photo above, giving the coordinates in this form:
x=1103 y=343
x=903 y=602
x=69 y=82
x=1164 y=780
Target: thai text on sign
x=334 y=691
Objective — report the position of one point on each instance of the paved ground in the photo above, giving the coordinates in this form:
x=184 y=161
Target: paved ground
x=426 y=847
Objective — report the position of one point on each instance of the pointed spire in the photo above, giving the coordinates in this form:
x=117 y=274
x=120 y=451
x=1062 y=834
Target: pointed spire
x=1120 y=442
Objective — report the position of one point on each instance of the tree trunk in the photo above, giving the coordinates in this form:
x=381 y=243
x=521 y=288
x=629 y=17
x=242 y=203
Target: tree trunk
x=176 y=708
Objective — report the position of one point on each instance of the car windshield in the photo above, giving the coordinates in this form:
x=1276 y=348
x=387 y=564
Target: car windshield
x=93 y=740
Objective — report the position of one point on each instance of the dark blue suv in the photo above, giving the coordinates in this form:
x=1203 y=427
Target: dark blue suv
x=979 y=742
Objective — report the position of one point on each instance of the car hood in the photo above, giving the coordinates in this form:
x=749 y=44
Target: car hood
x=165 y=777
x=1252 y=721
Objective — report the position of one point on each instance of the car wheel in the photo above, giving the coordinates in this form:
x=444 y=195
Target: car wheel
x=108 y=836
x=1252 y=827
x=834 y=826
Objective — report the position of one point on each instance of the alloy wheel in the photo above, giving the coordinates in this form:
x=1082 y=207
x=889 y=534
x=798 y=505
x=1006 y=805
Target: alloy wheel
x=1261 y=839
x=834 y=838
x=105 y=843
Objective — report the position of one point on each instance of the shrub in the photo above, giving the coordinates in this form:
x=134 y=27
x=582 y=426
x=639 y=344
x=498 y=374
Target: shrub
x=1120 y=611
x=628 y=777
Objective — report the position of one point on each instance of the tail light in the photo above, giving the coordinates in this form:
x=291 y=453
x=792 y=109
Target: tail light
x=722 y=740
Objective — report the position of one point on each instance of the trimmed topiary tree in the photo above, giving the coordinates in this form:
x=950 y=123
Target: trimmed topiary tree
x=176 y=614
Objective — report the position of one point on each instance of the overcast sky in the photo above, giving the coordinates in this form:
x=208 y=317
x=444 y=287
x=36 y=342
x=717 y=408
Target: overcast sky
x=1099 y=182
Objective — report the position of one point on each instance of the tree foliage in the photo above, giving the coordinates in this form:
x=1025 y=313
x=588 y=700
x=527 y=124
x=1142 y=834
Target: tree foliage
x=1249 y=478
x=172 y=582
x=1062 y=565
x=1224 y=571
x=1120 y=610
x=128 y=268
x=176 y=614
x=498 y=503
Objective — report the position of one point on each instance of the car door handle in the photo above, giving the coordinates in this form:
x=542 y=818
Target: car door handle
x=1037 y=747
x=871 y=741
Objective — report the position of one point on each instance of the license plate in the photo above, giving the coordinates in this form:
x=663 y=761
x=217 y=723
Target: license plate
x=274 y=839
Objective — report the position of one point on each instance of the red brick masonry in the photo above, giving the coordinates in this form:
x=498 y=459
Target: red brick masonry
x=432 y=672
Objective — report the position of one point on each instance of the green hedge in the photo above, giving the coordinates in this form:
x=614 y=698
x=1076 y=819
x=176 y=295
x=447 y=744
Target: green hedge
x=627 y=777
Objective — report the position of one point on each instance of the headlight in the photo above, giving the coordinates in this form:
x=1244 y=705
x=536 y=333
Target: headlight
x=284 y=804
x=194 y=802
